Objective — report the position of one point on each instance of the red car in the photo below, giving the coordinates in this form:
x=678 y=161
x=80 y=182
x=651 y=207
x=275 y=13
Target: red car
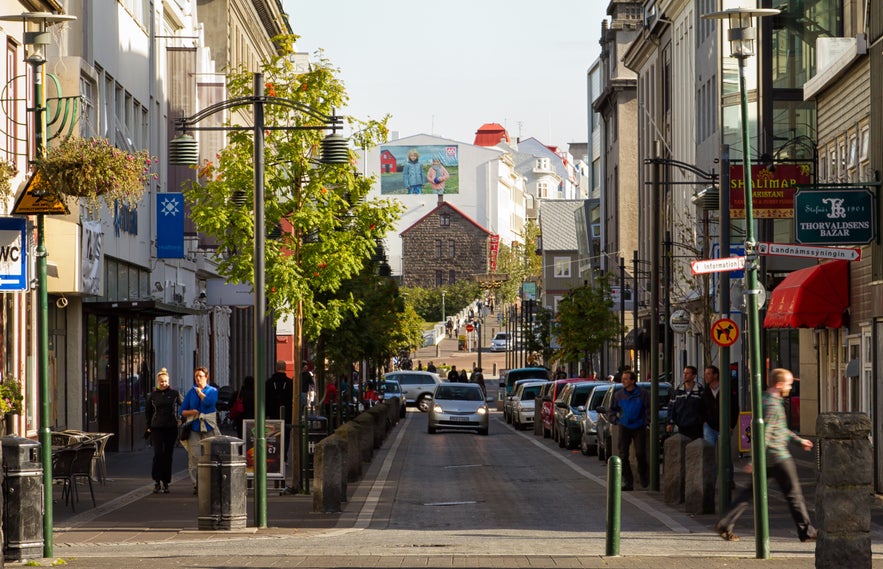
x=550 y=394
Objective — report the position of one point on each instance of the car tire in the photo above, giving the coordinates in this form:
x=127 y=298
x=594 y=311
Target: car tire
x=431 y=430
x=516 y=424
x=561 y=441
x=546 y=433
x=584 y=447
x=423 y=403
x=483 y=432
x=568 y=442
x=602 y=452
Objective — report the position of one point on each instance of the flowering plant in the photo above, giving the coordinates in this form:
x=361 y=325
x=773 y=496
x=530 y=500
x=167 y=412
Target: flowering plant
x=7 y=173
x=94 y=169
x=10 y=396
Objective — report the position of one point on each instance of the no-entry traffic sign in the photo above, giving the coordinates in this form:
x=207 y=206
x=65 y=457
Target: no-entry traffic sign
x=717 y=265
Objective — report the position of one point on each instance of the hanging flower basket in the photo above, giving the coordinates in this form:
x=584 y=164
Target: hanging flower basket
x=93 y=169
x=7 y=173
x=10 y=397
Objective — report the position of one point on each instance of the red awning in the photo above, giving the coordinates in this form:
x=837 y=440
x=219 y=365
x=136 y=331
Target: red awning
x=814 y=297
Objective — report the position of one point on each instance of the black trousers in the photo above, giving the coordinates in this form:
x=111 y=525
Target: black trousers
x=785 y=474
x=163 y=440
x=639 y=436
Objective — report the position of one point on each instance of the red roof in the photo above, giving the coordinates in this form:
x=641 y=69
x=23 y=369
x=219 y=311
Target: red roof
x=440 y=206
x=490 y=134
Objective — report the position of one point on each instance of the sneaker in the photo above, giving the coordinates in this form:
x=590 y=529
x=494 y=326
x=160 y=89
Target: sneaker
x=157 y=489
x=810 y=535
x=725 y=533
x=195 y=491
x=165 y=488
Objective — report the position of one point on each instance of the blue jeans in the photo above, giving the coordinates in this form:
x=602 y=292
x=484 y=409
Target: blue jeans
x=709 y=434
x=415 y=189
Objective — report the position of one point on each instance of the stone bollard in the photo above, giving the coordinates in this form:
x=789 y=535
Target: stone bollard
x=364 y=424
x=674 y=475
x=350 y=437
x=537 y=416
x=843 y=492
x=329 y=482
x=378 y=415
x=700 y=466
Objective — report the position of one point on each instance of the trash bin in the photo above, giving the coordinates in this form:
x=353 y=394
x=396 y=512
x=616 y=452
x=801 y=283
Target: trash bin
x=22 y=499
x=221 y=476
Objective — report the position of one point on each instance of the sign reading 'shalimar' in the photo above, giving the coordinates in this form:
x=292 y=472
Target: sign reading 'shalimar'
x=834 y=216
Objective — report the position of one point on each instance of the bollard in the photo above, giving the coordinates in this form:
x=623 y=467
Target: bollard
x=614 y=505
x=22 y=499
x=221 y=475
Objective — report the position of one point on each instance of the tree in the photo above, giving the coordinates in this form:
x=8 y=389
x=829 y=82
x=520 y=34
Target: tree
x=587 y=322
x=328 y=227
x=520 y=262
x=427 y=301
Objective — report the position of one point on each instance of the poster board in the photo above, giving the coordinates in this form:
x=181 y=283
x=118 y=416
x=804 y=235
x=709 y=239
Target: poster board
x=745 y=431
x=275 y=433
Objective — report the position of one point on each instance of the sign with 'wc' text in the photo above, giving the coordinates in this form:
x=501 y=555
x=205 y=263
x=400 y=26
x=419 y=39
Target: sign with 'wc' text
x=13 y=254
x=829 y=216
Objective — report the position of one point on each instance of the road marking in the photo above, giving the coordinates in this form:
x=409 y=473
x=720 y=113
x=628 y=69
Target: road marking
x=629 y=497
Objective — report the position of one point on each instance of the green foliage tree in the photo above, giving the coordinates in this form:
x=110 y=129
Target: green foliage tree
x=520 y=262
x=328 y=226
x=427 y=301
x=540 y=342
x=587 y=322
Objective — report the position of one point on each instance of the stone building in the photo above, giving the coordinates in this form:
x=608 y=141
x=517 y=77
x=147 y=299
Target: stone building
x=443 y=247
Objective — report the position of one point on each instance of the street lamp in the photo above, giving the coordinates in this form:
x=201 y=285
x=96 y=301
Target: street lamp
x=183 y=151
x=741 y=37
x=37 y=37
x=443 y=307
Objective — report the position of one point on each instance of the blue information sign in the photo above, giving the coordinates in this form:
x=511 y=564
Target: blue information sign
x=13 y=254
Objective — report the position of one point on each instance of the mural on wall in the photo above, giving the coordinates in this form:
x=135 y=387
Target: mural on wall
x=418 y=170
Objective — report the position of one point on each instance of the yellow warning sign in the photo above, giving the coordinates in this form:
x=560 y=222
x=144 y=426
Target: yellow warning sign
x=32 y=201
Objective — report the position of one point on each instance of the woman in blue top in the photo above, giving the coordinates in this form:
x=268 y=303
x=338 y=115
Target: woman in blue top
x=201 y=418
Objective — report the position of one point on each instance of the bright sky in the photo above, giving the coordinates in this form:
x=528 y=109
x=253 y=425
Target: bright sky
x=446 y=68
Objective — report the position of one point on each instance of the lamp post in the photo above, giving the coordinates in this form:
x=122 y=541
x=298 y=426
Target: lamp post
x=741 y=36
x=182 y=151
x=37 y=37
x=443 y=308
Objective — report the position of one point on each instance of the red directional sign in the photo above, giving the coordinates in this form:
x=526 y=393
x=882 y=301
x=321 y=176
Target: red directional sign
x=718 y=265
x=724 y=332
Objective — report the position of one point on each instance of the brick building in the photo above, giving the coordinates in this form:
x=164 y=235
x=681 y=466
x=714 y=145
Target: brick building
x=443 y=247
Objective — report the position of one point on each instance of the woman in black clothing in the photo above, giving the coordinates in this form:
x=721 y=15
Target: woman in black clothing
x=246 y=393
x=162 y=420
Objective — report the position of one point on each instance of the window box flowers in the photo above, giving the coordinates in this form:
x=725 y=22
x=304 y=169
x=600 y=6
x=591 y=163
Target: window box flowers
x=94 y=169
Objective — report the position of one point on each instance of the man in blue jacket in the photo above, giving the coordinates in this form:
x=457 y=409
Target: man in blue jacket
x=630 y=409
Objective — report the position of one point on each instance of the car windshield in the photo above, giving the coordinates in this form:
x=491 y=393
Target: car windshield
x=458 y=393
x=596 y=398
x=579 y=398
x=391 y=386
x=530 y=391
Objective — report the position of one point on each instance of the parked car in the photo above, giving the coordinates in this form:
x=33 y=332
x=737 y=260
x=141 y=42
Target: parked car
x=605 y=443
x=588 y=439
x=514 y=375
x=509 y=402
x=569 y=409
x=550 y=394
x=391 y=388
x=458 y=406
x=500 y=343
x=417 y=386
x=523 y=403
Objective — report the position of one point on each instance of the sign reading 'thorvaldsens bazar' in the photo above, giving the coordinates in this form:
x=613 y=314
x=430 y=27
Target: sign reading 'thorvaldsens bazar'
x=834 y=216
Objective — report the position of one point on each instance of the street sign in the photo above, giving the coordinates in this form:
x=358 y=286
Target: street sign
x=30 y=202
x=470 y=328
x=786 y=250
x=679 y=321
x=724 y=332
x=13 y=254
x=842 y=216
x=717 y=265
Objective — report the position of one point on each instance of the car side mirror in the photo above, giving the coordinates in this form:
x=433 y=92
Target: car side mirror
x=581 y=408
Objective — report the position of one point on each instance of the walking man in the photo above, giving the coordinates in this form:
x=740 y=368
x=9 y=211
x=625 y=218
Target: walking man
x=630 y=410
x=780 y=464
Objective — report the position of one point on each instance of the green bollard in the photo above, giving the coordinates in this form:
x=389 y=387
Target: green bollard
x=614 y=505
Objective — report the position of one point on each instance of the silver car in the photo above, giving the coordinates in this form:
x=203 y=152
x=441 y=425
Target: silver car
x=523 y=403
x=458 y=406
x=417 y=386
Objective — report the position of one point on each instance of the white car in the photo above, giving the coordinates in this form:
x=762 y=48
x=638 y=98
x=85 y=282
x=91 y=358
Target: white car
x=523 y=403
x=417 y=386
x=500 y=343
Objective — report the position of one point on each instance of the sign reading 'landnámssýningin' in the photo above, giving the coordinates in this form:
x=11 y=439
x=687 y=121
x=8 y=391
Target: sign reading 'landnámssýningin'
x=842 y=216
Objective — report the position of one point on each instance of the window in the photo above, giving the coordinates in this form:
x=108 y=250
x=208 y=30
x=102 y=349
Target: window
x=562 y=267
x=542 y=163
x=542 y=189
x=452 y=250
x=852 y=160
x=444 y=220
x=438 y=248
x=865 y=141
x=438 y=278
x=452 y=276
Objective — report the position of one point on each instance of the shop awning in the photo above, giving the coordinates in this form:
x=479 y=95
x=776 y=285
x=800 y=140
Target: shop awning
x=814 y=297
x=637 y=339
x=140 y=308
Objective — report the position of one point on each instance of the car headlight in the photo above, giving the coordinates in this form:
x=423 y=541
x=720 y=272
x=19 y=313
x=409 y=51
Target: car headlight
x=437 y=408
x=481 y=410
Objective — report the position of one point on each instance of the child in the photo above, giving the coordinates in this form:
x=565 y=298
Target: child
x=412 y=174
x=437 y=175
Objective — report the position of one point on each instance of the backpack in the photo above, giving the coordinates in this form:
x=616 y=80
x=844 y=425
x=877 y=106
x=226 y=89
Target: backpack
x=225 y=397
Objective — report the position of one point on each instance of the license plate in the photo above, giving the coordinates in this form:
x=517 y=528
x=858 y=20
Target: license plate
x=460 y=419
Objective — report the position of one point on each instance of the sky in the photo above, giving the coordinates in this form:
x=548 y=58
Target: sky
x=446 y=68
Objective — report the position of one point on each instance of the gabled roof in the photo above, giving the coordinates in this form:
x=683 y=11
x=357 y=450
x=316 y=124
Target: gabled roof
x=558 y=225
x=439 y=207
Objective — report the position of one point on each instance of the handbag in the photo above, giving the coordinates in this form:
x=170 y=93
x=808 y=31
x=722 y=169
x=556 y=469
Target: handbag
x=238 y=409
x=186 y=428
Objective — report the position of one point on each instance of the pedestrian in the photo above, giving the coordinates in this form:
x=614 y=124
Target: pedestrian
x=200 y=416
x=413 y=177
x=449 y=327
x=463 y=377
x=560 y=373
x=779 y=462
x=430 y=367
x=307 y=384
x=711 y=406
x=453 y=375
x=279 y=394
x=630 y=410
x=478 y=377
x=685 y=410
x=329 y=400
x=246 y=396
x=419 y=365
x=162 y=421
